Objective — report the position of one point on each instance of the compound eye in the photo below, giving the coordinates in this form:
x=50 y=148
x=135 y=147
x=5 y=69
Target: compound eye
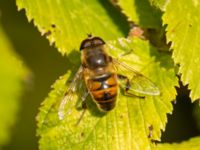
x=98 y=41
x=85 y=44
x=91 y=42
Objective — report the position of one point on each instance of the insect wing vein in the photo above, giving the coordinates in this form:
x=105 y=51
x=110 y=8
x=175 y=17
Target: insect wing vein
x=68 y=101
x=138 y=82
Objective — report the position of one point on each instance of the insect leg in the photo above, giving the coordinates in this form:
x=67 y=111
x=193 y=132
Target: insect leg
x=84 y=107
x=127 y=85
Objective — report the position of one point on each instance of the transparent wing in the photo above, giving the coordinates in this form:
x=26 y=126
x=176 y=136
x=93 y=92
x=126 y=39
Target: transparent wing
x=67 y=103
x=134 y=81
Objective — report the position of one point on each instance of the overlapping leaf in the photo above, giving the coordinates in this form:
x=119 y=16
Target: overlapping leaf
x=141 y=13
x=159 y=3
x=67 y=23
x=183 y=19
x=192 y=144
x=12 y=73
x=129 y=124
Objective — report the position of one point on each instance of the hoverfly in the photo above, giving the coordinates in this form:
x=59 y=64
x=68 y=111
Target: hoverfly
x=99 y=71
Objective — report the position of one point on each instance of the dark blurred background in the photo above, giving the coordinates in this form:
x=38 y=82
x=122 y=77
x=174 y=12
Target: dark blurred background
x=47 y=65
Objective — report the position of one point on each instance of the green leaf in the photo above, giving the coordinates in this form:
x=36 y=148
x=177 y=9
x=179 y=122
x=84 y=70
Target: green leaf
x=141 y=13
x=183 y=19
x=161 y=4
x=125 y=127
x=67 y=23
x=12 y=73
x=196 y=115
x=192 y=144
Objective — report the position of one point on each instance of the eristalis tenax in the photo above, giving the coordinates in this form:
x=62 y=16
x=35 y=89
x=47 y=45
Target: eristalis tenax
x=102 y=77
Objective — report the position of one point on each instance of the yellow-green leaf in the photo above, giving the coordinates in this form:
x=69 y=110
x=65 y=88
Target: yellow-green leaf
x=141 y=13
x=132 y=120
x=159 y=3
x=67 y=23
x=192 y=144
x=12 y=73
x=183 y=19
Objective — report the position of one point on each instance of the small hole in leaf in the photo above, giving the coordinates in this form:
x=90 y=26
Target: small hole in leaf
x=53 y=25
x=82 y=134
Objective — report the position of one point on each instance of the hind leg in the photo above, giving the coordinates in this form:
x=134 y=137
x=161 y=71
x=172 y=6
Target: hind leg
x=127 y=86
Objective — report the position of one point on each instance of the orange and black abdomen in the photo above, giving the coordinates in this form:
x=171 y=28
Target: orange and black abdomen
x=104 y=90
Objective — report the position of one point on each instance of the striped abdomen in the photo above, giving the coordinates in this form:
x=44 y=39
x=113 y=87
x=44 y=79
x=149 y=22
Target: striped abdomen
x=104 y=90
